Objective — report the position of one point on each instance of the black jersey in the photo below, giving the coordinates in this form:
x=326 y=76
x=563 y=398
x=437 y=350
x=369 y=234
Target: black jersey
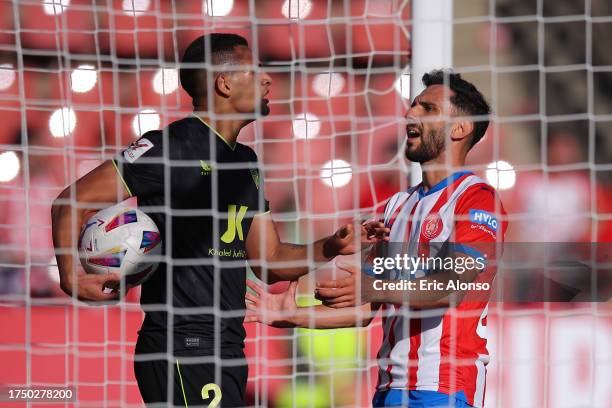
x=203 y=194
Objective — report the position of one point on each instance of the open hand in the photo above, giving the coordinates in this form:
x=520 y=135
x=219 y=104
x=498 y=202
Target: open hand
x=274 y=310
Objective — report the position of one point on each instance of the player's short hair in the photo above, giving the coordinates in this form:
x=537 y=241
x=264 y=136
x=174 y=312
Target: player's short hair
x=215 y=49
x=466 y=98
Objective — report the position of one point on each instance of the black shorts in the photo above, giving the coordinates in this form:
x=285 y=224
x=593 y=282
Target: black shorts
x=192 y=380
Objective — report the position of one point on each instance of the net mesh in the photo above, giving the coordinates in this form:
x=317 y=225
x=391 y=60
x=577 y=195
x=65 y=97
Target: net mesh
x=81 y=80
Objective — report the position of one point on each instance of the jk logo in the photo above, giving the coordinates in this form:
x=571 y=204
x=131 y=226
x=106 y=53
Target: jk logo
x=234 y=223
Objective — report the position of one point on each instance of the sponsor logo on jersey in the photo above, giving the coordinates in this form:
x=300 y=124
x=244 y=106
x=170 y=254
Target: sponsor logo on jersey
x=137 y=149
x=206 y=168
x=235 y=215
x=484 y=218
x=432 y=226
x=192 y=342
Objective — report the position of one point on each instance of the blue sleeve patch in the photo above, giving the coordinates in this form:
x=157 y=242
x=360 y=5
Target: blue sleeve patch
x=484 y=218
x=470 y=251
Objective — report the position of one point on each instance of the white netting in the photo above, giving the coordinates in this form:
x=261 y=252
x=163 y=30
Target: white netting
x=81 y=80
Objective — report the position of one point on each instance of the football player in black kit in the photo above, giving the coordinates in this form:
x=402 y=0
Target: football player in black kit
x=204 y=190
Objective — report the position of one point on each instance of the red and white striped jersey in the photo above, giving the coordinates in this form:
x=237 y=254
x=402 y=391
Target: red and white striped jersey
x=440 y=350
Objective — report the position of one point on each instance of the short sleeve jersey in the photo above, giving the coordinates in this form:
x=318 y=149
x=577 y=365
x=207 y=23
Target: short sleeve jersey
x=203 y=194
x=444 y=351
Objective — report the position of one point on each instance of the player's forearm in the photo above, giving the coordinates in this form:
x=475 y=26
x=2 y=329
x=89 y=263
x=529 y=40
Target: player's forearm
x=62 y=213
x=291 y=261
x=323 y=317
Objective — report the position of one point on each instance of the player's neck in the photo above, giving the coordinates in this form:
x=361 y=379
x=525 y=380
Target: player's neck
x=228 y=129
x=437 y=170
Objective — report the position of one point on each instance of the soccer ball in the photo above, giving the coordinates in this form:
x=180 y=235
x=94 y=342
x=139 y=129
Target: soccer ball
x=120 y=239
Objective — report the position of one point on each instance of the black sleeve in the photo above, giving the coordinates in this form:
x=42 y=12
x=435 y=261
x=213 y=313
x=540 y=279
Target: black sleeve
x=141 y=165
x=263 y=205
x=262 y=194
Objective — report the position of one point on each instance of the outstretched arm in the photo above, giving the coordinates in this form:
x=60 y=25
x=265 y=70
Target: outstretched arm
x=284 y=261
x=98 y=189
x=280 y=310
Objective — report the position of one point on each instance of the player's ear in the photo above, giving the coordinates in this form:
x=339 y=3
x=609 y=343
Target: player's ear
x=462 y=129
x=223 y=85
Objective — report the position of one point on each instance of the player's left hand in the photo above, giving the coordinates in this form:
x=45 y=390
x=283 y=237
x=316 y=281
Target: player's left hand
x=346 y=241
x=345 y=292
x=275 y=310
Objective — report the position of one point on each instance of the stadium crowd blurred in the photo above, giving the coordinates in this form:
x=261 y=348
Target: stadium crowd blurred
x=81 y=79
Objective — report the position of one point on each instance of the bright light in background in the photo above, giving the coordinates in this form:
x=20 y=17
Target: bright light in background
x=146 y=120
x=328 y=84
x=55 y=7
x=7 y=76
x=9 y=166
x=296 y=9
x=336 y=173
x=217 y=8
x=135 y=7
x=306 y=125
x=501 y=175
x=402 y=85
x=83 y=78
x=165 y=81
x=62 y=122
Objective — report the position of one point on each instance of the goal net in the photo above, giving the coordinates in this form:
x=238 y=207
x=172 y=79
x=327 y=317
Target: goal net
x=80 y=80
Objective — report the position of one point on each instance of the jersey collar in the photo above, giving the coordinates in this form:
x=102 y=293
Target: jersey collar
x=215 y=132
x=442 y=184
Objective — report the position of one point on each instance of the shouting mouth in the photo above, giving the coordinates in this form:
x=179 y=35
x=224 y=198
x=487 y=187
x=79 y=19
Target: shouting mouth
x=413 y=131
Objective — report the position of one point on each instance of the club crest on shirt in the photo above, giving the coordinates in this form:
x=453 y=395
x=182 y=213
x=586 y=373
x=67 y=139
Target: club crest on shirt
x=137 y=149
x=432 y=226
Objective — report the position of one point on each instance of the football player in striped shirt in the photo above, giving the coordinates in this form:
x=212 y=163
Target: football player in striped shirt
x=434 y=347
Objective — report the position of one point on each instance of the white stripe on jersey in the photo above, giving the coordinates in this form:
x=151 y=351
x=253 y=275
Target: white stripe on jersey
x=399 y=353
x=429 y=353
x=480 y=380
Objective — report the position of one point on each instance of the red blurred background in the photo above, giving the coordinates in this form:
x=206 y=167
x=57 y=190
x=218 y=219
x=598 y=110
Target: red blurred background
x=342 y=99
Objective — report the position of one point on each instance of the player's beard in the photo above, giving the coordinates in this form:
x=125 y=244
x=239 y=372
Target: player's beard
x=431 y=146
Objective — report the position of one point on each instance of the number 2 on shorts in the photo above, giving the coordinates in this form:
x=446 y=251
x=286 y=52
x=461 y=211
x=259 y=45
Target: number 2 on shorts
x=216 y=392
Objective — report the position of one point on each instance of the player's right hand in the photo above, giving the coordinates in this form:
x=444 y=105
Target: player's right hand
x=94 y=288
x=273 y=309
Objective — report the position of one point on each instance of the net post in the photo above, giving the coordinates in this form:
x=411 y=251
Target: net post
x=432 y=48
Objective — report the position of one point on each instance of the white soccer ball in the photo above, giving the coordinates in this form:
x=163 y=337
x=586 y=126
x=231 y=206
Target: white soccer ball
x=120 y=239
